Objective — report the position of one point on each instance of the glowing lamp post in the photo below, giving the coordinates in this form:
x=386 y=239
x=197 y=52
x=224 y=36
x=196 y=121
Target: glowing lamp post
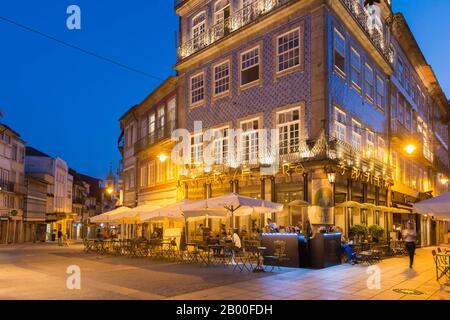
x=410 y=149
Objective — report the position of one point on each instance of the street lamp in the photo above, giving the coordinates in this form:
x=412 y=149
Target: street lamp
x=410 y=149
x=331 y=175
x=444 y=180
x=110 y=191
x=162 y=157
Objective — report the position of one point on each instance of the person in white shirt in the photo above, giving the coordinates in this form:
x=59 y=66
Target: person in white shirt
x=237 y=240
x=410 y=237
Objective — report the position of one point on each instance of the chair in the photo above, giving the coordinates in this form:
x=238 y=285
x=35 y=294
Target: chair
x=442 y=263
x=278 y=257
x=439 y=250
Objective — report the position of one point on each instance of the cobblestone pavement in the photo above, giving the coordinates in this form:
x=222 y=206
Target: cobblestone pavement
x=38 y=271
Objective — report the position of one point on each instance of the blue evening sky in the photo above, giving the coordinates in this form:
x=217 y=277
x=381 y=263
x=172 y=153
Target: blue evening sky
x=67 y=103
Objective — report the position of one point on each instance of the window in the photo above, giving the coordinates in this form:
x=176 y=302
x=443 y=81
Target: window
x=380 y=93
x=400 y=71
x=356 y=68
x=222 y=18
x=197 y=89
x=288 y=124
x=288 y=50
x=250 y=142
x=198 y=31
x=250 y=66
x=197 y=149
x=401 y=109
x=144 y=176
x=220 y=145
x=369 y=82
x=160 y=171
x=370 y=143
x=249 y=8
x=222 y=78
x=381 y=148
x=151 y=124
x=340 y=125
x=144 y=127
x=14 y=152
x=339 y=52
x=407 y=117
x=151 y=173
x=161 y=120
x=356 y=135
x=172 y=113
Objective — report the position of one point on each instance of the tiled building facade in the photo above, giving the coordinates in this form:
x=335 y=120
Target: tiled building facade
x=346 y=91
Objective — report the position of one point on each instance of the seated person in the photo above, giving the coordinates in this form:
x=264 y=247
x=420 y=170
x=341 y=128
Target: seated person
x=236 y=241
x=347 y=248
x=272 y=226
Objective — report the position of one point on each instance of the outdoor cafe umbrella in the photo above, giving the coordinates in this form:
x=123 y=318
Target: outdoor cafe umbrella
x=438 y=207
x=236 y=205
x=109 y=216
x=178 y=211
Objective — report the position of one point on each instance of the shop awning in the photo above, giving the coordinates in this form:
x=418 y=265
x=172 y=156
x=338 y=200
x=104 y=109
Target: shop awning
x=439 y=207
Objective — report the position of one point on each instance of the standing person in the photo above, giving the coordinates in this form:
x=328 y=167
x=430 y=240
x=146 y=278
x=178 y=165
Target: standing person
x=60 y=234
x=410 y=236
x=308 y=229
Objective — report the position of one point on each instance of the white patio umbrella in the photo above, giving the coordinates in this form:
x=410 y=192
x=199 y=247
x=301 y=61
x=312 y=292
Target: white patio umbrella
x=438 y=207
x=108 y=217
x=235 y=205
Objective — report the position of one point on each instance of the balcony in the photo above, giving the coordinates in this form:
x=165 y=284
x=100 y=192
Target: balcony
x=360 y=15
x=7 y=186
x=160 y=134
x=254 y=11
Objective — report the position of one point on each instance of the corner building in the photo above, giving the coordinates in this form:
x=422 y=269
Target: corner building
x=347 y=87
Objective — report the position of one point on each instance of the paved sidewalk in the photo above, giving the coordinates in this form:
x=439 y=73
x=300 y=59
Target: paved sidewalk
x=38 y=271
x=343 y=282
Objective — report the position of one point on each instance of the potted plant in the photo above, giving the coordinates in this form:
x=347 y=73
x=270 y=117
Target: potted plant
x=376 y=232
x=358 y=232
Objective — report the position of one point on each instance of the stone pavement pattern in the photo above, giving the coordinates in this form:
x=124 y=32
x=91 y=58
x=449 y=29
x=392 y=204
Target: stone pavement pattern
x=38 y=271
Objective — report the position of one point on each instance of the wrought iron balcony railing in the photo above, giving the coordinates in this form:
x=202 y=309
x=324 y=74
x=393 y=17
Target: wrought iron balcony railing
x=358 y=12
x=7 y=186
x=160 y=134
x=236 y=21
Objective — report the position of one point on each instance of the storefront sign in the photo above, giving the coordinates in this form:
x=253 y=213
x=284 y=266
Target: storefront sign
x=357 y=174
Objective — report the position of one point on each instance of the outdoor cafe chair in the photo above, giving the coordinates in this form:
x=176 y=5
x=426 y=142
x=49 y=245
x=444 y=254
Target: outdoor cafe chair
x=442 y=264
x=241 y=260
x=279 y=256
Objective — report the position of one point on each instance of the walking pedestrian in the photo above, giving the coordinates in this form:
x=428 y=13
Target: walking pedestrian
x=60 y=234
x=410 y=237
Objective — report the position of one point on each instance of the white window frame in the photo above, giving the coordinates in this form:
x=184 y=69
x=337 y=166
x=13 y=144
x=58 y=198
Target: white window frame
x=357 y=142
x=291 y=145
x=217 y=81
x=369 y=85
x=197 y=148
x=287 y=52
x=198 y=31
x=250 y=140
x=370 y=143
x=242 y=69
x=199 y=91
x=340 y=129
x=335 y=49
x=381 y=96
x=221 y=145
x=353 y=53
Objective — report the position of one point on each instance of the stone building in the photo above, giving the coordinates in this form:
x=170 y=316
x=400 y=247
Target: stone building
x=12 y=185
x=59 y=216
x=359 y=119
